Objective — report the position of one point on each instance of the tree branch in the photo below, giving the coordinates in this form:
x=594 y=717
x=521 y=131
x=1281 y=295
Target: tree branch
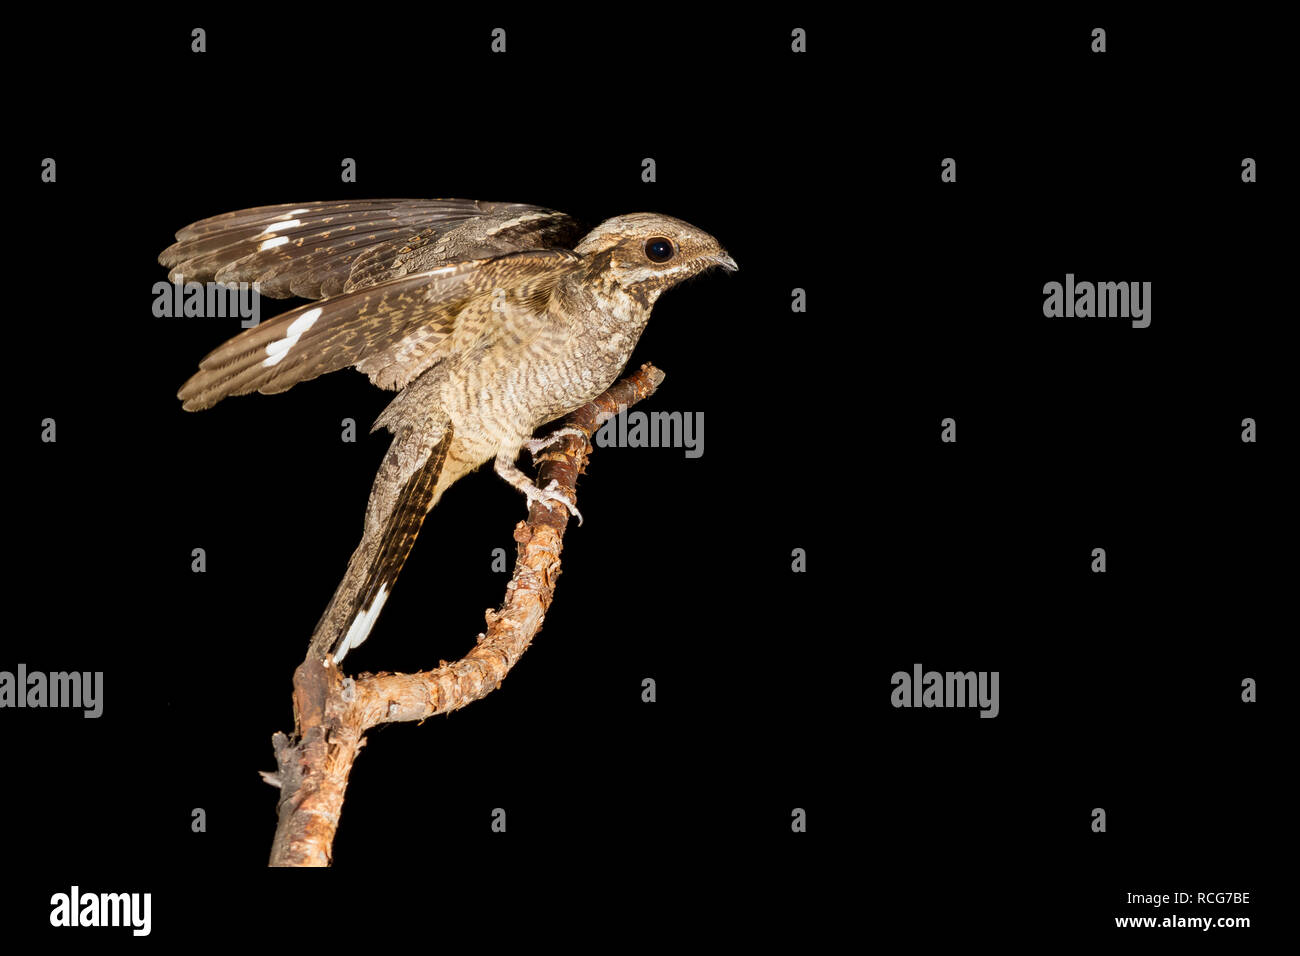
x=332 y=713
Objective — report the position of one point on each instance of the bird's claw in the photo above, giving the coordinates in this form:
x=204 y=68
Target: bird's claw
x=549 y=494
x=537 y=445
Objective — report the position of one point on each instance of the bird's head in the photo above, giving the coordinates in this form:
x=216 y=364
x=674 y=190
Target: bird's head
x=646 y=253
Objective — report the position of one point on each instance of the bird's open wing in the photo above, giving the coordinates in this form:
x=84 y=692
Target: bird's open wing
x=317 y=250
x=392 y=331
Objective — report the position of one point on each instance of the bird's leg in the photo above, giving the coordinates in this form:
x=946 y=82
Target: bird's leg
x=536 y=445
x=505 y=467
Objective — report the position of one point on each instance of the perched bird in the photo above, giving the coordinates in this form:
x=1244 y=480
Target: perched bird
x=486 y=317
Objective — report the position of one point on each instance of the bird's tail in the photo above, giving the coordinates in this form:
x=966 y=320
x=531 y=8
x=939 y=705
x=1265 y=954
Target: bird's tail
x=379 y=557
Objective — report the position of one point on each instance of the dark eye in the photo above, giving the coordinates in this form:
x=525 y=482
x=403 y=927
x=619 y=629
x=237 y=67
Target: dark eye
x=659 y=249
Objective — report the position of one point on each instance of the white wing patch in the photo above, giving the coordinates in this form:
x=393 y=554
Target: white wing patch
x=277 y=226
x=278 y=349
x=361 y=625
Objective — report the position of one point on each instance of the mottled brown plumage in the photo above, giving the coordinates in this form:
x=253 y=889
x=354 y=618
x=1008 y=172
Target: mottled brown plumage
x=479 y=313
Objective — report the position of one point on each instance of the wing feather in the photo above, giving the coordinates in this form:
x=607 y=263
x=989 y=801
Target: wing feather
x=321 y=249
x=392 y=331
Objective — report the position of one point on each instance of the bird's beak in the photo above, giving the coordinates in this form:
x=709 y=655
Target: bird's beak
x=725 y=261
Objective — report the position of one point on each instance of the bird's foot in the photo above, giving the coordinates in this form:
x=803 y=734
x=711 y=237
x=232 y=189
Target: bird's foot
x=538 y=445
x=548 y=494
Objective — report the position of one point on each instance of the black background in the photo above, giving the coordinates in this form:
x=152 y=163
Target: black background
x=818 y=171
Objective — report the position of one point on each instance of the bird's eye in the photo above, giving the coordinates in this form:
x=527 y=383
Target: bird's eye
x=659 y=249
